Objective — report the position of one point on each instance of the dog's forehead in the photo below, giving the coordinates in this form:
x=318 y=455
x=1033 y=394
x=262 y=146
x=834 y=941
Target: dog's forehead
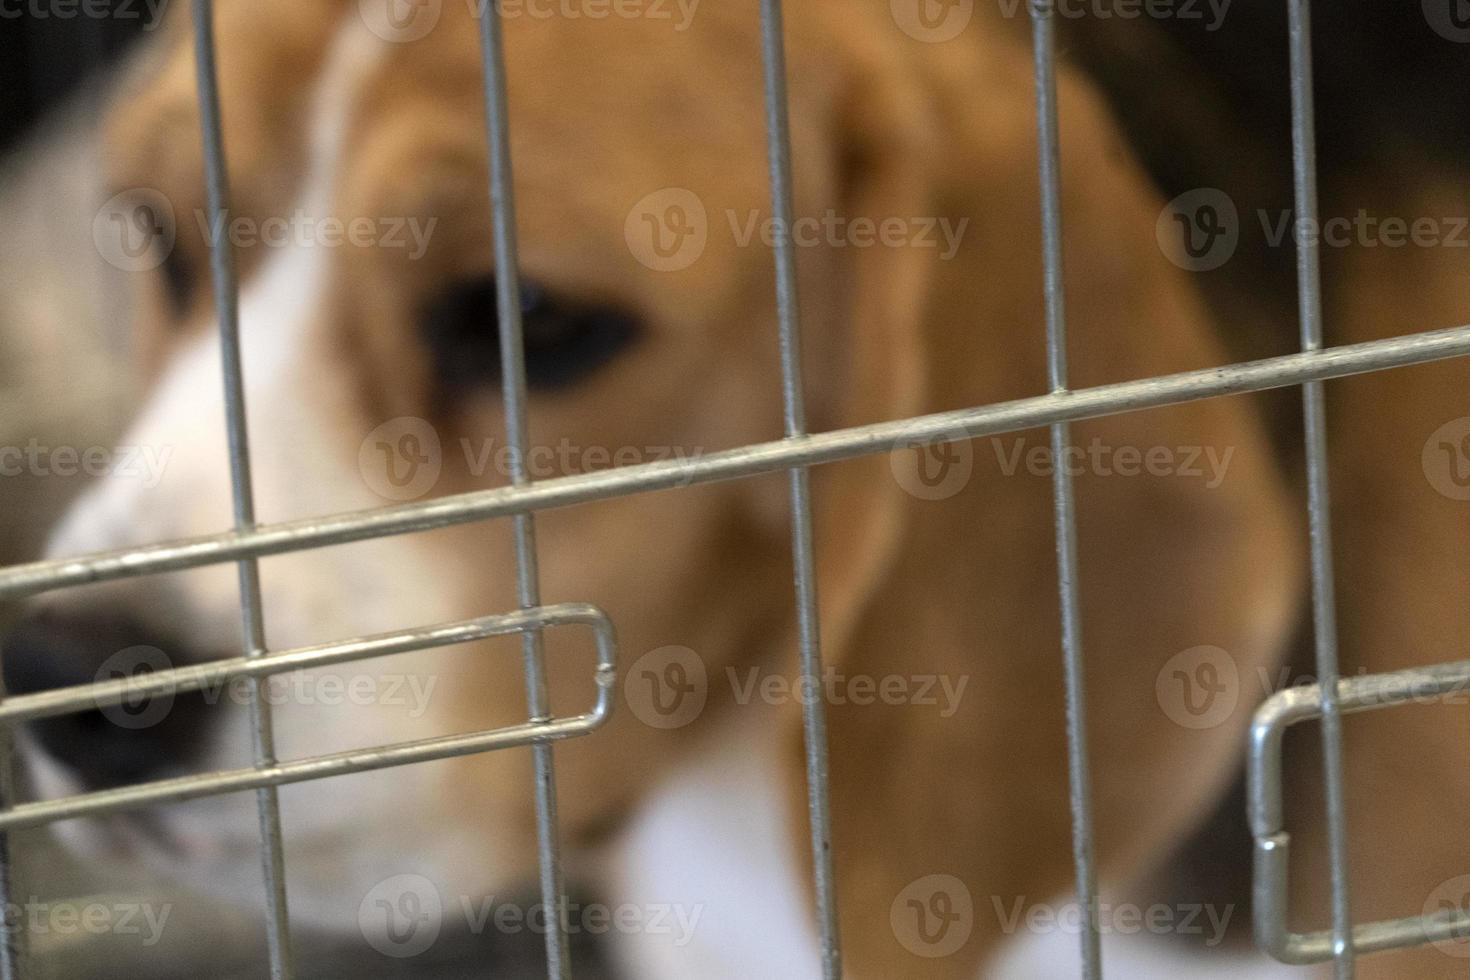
x=667 y=100
x=608 y=118
x=617 y=124
x=603 y=111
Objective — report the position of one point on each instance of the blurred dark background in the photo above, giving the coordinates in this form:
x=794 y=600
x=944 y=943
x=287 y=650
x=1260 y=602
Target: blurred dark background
x=43 y=59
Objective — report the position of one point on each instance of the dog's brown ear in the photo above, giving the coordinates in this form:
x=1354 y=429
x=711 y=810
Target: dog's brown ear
x=939 y=599
x=864 y=303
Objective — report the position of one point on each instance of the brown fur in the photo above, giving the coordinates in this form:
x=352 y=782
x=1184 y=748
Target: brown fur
x=604 y=113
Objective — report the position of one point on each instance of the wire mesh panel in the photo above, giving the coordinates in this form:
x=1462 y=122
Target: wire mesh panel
x=793 y=455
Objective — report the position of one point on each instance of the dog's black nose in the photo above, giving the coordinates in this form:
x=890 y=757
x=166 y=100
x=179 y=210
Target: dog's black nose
x=117 y=744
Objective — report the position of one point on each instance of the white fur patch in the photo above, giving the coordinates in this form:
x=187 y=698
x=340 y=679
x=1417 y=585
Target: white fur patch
x=716 y=839
x=716 y=842
x=304 y=448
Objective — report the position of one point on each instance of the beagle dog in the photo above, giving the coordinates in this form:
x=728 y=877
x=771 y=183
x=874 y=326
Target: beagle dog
x=360 y=221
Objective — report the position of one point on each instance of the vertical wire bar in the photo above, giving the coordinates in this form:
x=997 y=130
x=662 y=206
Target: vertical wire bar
x=227 y=307
x=513 y=381
x=1319 y=505
x=14 y=942
x=819 y=806
x=1079 y=775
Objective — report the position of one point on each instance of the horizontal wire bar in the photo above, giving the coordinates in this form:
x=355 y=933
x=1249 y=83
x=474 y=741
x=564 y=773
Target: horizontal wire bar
x=762 y=458
x=303 y=770
x=359 y=760
x=196 y=677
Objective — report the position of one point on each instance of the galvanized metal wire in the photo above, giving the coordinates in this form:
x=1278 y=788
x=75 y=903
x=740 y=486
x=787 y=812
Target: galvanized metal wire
x=833 y=446
x=513 y=386
x=1324 y=602
x=252 y=613
x=1079 y=782
x=814 y=710
x=1268 y=814
x=794 y=454
x=537 y=731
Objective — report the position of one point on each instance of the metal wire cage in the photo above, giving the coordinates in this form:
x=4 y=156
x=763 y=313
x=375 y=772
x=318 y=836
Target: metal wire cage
x=794 y=454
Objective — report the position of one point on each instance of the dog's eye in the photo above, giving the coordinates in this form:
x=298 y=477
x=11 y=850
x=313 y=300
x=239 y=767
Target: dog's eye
x=566 y=340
